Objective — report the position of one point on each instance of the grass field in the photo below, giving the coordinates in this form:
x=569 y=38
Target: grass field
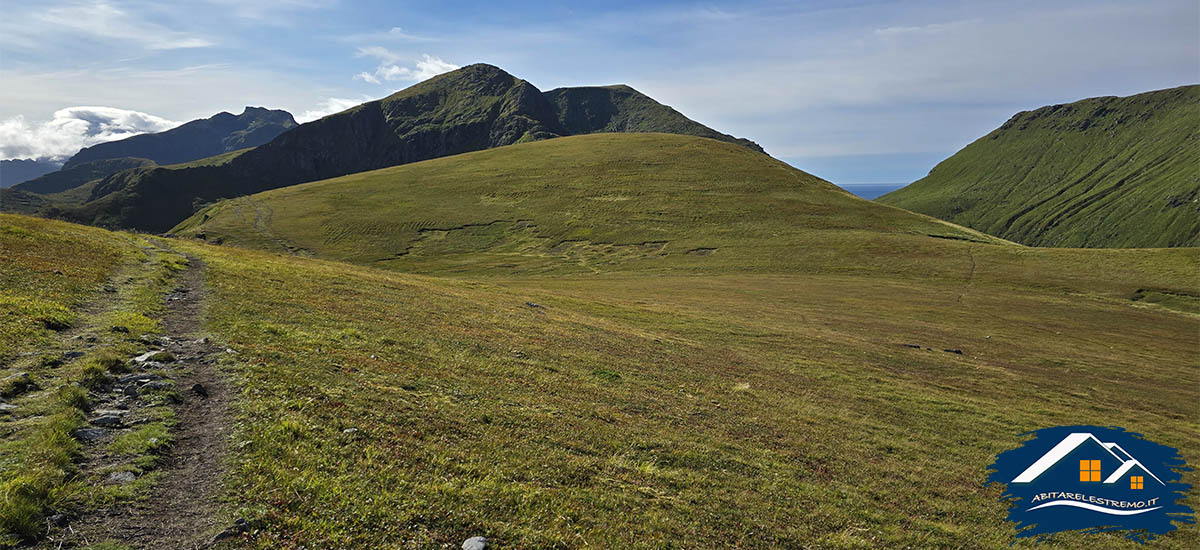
x=699 y=411
x=576 y=378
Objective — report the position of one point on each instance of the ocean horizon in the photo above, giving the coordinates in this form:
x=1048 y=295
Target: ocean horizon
x=870 y=190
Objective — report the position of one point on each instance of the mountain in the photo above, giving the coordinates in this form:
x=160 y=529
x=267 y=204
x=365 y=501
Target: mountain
x=575 y=203
x=1101 y=172
x=16 y=171
x=592 y=109
x=79 y=174
x=470 y=109
x=197 y=139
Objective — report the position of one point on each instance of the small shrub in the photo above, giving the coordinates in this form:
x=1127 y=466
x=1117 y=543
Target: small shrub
x=17 y=384
x=74 y=397
x=94 y=376
x=110 y=361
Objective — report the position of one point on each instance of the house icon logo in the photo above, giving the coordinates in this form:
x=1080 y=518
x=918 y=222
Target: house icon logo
x=1092 y=479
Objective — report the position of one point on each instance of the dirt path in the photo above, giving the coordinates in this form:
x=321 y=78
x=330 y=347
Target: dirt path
x=182 y=510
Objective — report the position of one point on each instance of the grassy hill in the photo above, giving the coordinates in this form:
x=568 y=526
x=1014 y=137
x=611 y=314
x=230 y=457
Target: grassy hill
x=474 y=108
x=638 y=404
x=1101 y=172
x=578 y=204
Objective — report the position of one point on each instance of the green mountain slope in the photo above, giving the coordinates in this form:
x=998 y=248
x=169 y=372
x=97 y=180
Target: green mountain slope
x=575 y=203
x=197 y=139
x=1102 y=172
x=474 y=108
x=79 y=174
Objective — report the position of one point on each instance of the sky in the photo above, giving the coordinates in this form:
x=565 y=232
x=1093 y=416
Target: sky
x=852 y=91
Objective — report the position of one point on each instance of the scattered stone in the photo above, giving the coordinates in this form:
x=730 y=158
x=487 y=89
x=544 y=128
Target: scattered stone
x=121 y=477
x=119 y=328
x=533 y=305
x=145 y=356
x=200 y=390
x=70 y=355
x=140 y=378
x=230 y=350
x=60 y=520
x=90 y=338
x=350 y=430
x=152 y=365
x=107 y=421
x=202 y=342
x=952 y=350
x=157 y=386
x=239 y=527
x=914 y=346
x=7 y=407
x=475 y=543
x=88 y=435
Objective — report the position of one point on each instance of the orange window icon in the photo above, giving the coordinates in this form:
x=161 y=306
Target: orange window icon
x=1089 y=470
x=1135 y=482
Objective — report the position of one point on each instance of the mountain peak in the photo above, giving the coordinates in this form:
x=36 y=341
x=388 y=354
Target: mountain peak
x=220 y=133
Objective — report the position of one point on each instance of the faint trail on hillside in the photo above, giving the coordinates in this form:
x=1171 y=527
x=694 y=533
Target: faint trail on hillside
x=262 y=221
x=182 y=510
x=970 y=274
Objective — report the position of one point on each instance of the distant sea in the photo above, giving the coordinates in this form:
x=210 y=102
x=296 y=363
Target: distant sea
x=871 y=190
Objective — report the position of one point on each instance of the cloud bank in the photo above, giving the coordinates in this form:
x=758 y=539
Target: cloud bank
x=329 y=106
x=72 y=129
x=425 y=68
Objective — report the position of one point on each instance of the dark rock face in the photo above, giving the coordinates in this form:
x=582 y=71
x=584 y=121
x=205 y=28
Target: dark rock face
x=197 y=139
x=474 y=108
x=594 y=109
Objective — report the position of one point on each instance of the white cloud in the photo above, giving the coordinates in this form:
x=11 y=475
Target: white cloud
x=102 y=20
x=330 y=106
x=72 y=129
x=271 y=12
x=423 y=69
x=932 y=28
x=395 y=34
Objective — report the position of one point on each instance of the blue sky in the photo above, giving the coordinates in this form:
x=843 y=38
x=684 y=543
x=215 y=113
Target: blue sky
x=855 y=92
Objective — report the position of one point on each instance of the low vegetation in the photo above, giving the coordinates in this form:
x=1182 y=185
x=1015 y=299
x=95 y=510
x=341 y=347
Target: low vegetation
x=649 y=341
x=78 y=302
x=1101 y=172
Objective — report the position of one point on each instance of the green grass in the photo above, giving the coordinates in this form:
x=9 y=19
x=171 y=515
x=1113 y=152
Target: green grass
x=760 y=394
x=1102 y=172
x=637 y=410
x=593 y=203
x=51 y=272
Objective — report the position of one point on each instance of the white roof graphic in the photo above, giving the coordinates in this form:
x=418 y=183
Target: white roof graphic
x=1070 y=443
